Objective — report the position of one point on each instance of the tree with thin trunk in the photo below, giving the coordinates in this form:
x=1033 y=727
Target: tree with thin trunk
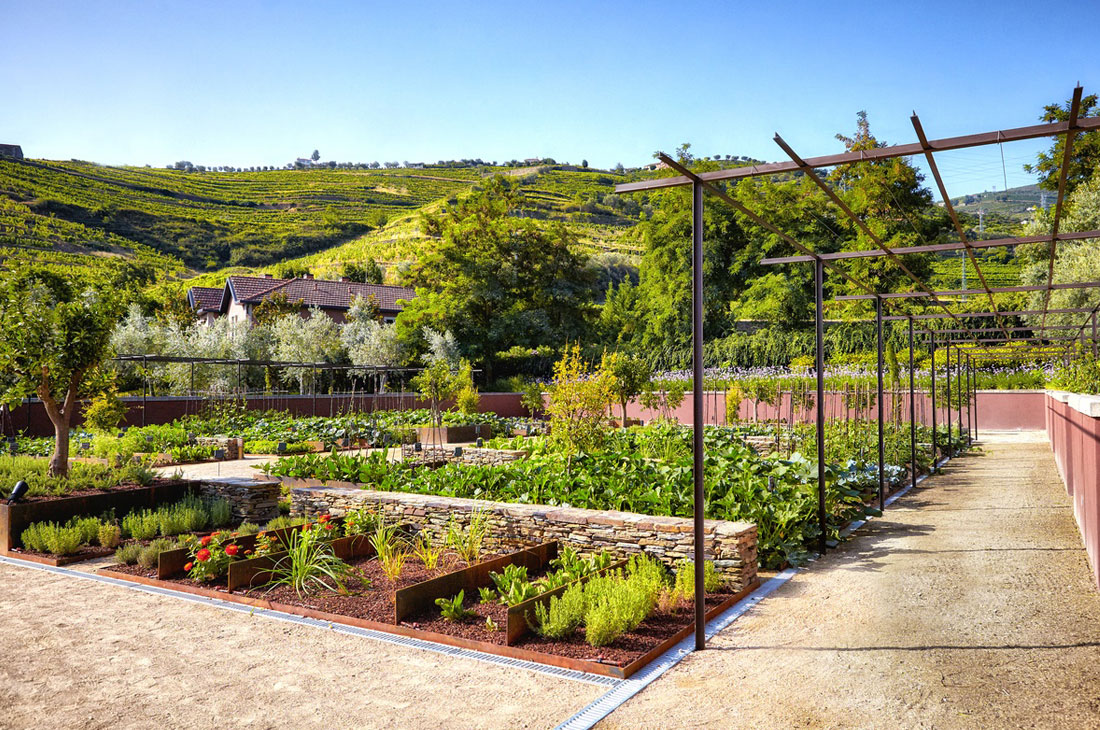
x=55 y=336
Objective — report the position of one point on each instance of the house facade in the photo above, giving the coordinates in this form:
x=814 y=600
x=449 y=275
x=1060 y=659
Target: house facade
x=240 y=296
x=11 y=150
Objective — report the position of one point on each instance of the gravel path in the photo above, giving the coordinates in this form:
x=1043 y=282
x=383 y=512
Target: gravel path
x=81 y=654
x=968 y=605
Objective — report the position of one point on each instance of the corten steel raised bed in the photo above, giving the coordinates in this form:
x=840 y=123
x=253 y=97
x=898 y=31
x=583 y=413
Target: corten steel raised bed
x=14 y=518
x=581 y=665
x=518 y=614
x=171 y=562
x=417 y=597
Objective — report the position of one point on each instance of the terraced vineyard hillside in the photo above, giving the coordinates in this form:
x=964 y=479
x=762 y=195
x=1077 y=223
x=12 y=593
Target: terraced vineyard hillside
x=213 y=219
x=228 y=221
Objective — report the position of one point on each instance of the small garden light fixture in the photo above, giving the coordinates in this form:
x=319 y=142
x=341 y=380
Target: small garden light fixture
x=18 y=491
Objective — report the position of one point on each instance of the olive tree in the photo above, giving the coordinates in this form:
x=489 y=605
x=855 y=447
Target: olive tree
x=55 y=335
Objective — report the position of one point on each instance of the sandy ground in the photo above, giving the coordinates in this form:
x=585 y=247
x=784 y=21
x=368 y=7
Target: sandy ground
x=80 y=654
x=968 y=605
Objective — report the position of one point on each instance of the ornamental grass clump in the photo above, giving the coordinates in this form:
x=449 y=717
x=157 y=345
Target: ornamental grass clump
x=427 y=551
x=467 y=542
x=309 y=563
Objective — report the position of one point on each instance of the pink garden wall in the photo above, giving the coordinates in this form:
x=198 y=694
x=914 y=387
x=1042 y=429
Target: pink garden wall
x=1073 y=427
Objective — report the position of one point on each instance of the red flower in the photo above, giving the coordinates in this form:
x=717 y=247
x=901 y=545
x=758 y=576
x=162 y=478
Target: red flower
x=206 y=540
x=305 y=528
x=202 y=555
x=231 y=549
x=325 y=518
x=329 y=526
x=187 y=568
x=247 y=552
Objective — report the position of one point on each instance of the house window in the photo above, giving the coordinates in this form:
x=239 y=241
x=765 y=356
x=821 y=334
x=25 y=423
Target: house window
x=389 y=320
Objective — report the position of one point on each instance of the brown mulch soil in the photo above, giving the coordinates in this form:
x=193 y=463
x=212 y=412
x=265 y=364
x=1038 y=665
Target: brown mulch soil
x=89 y=492
x=628 y=647
x=87 y=552
x=371 y=592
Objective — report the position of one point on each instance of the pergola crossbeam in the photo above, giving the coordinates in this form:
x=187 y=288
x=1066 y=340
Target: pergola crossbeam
x=1035 y=131
x=933 y=248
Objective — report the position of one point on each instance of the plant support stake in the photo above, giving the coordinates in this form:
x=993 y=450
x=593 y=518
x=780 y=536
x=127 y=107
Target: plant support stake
x=881 y=427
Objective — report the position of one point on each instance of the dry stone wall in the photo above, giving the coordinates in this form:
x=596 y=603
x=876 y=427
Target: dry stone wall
x=731 y=545
x=255 y=500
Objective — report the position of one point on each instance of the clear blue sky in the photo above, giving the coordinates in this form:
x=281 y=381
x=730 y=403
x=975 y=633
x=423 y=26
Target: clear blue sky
x=251 y=83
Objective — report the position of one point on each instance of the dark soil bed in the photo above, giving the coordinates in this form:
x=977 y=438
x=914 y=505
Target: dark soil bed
x=87 y=552
x=371 y=592
x=628 y=647
x=90 y=492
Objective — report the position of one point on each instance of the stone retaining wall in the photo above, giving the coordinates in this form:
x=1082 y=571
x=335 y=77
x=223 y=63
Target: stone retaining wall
x=233 y=447
x=731 y=545
x=255 y=500
x=464 y=455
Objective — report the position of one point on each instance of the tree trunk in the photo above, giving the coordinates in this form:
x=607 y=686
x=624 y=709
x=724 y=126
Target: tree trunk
x=60 y=418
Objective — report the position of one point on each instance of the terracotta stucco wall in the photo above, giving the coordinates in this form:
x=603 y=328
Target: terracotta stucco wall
x=1073 y=427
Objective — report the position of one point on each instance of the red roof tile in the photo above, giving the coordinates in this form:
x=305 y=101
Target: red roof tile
x=320 y=293
x=206 y=298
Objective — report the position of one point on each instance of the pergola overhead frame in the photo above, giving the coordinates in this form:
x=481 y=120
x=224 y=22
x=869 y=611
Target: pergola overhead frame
x=702 y=182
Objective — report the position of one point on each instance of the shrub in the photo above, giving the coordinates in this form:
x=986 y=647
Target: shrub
x=35 y=536
x=149 y=554
x=564 y=614
x=247 y=528
x=220 y=513
x=109 y=535
x=282 y=521
x=141 y=525
x=128 y=554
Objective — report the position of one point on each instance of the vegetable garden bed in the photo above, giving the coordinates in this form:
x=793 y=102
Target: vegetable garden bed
x=408 y=605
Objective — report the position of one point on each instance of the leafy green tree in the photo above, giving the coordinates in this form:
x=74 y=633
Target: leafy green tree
x=275 y=306
x=55 y=336
x=496 y=280
x=1084 y=155
x=889 y=197
x=366 y=272
x=630 y=376
x=315 y=156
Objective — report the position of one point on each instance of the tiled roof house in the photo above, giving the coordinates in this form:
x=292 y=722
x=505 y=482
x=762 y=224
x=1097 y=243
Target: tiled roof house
x=242 y=294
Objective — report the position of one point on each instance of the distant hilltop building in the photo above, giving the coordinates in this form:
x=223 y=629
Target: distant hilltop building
x=242 y=294
x=11 y=150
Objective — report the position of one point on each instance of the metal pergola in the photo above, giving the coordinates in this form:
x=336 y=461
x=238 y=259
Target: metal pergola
x=712 y=182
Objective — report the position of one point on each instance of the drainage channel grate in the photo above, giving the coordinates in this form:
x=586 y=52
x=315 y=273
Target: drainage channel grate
x=404 y=641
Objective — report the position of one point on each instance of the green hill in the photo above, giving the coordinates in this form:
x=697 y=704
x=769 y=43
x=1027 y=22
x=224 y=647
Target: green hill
x=1015 y=204
x=212 y=220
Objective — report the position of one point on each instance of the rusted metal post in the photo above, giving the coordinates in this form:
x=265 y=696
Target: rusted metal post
x=819 y=348
x=932 y=391
x=959 y=387
x=947 y=384
x=697 y=406
x=912 y=410
x=881 y=417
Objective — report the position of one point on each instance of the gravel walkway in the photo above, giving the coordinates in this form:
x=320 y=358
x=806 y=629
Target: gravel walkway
x=968 y=605
x=81 y=654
